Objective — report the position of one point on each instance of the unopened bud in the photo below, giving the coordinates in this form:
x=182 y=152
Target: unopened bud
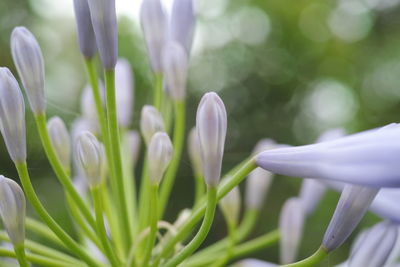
x=175 y=67
x=90 y=155
x=194 y=151
x=211 y=125
x=253 y=263
x=12 y=116
x=104 y=21
x=311 y=193
x=159 y=156
x=291 y=223
x=182 y=23
x=150 y=122
x=61 y=140
x=28 y=59
x=12 y=209
x=86 y=38
x=230 y=205
x=133 y=145
x=124 y=92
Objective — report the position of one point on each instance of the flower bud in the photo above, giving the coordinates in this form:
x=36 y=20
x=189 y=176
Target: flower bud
x=154 y=25
x=253 y=263
x=133 y=145
x=159 y=156
x=311 y=193
x=175 y=67
x=230 y=205
x=150 y=122
x=104 y=21
x=375 y=245
x=86 y=39
x=259 y=180
x=291 y=223
x=211 y=124
x=60 y=140
x=367 y=158
x=12 y=116
x=182 y=23
x=124 y=92
x=194 y=151
x=183 y=216
x=353 y=203
x=90 y=155
x=12 y=209
x=30 y=65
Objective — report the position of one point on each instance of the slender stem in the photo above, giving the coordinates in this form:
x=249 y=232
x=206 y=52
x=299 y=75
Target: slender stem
x=158 y=79
x=59 y=170
x=42 y=230
x=45 y=216
x=20 y=254
x=153 y=223
x=179 y=138
x=232 y=240
x=197 y=214
x=101 y=230
x=202 y=233
x=199 y=189
x=315 y=258
x=43 y=261
x=144 y=196
x=113 y=131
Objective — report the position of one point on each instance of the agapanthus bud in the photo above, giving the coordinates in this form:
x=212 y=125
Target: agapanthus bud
x=175 y=67
x=133 y=145
x=61 y=140
x=291 y=223
x=253 y=263
x=90 y=155
x=375 y=246
x=367 y=158
x=30 y=65
x=81 y=125
x=183 y=23
x=124 y=92
x=353 y=203
x=211 y=124
x=104 y=21
x=12 y=209
x=159 y=156
x=12 y=116
x=150 y=122
x=194 y=150
x=259 y=180
x=86 y=38
x=230 y=205
x=311 y=193
x=154 y=25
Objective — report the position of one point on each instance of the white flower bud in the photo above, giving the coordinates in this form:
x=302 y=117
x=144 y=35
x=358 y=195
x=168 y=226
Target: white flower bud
x=353 y=203
x=104 y=21
x=253 y=263
x=12 y=209
x=211 y=124
x=194 y=151
x=86 y=38
x=150 y=122
x=133 y=145
x=12 y=116
x=291 y=223
x=159 y=156
x=61 y=141
x=175 y=67
x=183 y=23
x=230 y=205
x=30 y=65
x=367 y=158
x=81 y=125
x=124 y=92
x=311 y=193
x=91 y=158
x=154 y=25
x=374 y=246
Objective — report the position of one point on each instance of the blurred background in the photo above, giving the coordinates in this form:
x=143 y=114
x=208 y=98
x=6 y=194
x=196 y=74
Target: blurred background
x=286 y=70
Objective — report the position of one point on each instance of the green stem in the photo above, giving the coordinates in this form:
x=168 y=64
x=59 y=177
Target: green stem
x=41 y=229
x=203 y=231
x=113 y=131
x=199 y=189
x=45 y=216
x=59 y=170
x=144 y=196
x=153 y=223
x=101 y=230
x=40 y=260
x=158 y=80
x=315 y=258
x=179 y=138
x=20 y=254
x=232 y=181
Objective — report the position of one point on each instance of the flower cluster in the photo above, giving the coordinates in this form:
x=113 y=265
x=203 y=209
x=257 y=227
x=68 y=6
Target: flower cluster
x=119 y=224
